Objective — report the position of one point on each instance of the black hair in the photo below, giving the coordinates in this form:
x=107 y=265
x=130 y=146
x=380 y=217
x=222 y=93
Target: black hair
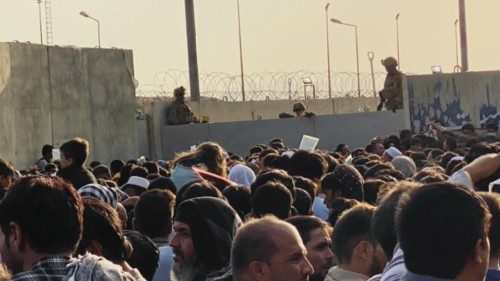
x=102 y=225
x=144 y=256
x=281 y=162
x=346 y=181
x=46 y=149
x=308 y=165
x=153 y=213
x=151 y=167
x=116 y=166
x=307 y=185
x=302 y=202
x=49 y=212
x=493 y=202
x=438 y=227
x=239 y=198
x=370 y=190
x=101 y=170
x=338 y=206
x=377 y=167
x=272 y=198
x=306 y=224
x=139 y=171
x=352 y=227
x=479 y=150
x=279 y=176
x=163 y=183
x=94 y=164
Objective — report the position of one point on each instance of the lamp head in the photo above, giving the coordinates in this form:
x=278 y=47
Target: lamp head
x=83 y=14
x=336 y=21
x=327 y=6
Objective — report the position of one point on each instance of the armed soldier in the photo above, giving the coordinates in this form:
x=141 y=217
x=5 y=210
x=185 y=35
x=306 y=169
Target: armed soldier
x=392 y=94
x=178 y=112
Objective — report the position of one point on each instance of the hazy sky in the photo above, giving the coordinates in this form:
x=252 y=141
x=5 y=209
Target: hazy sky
x=278 y=35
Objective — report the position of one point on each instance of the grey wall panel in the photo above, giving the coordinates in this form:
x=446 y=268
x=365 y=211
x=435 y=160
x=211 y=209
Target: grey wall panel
x=112 y=103
x=7 y=127
x=31 y=101
x=180 y=138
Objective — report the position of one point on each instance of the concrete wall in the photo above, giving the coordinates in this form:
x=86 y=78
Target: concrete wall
x=454 y=99
x=355 y=129
x=220 y=111
x=51 y=94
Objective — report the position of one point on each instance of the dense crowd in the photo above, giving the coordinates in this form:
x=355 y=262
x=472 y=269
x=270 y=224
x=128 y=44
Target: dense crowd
x=408 y=207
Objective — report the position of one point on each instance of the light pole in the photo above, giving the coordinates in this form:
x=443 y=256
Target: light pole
x=457 y=66
x=241 y=54
x=83 y=14
x=357 y=49
x=463 y=36
x=40 y=19
x=328 y=51
x=397 y=39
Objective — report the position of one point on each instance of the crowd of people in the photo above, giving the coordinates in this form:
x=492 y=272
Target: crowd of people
x=406 y=207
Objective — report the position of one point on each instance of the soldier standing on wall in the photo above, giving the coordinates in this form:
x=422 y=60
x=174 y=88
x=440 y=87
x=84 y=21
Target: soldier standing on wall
x=178 y=112
x=392 y=94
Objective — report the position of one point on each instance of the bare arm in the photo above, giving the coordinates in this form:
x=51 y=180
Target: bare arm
x=483 y=166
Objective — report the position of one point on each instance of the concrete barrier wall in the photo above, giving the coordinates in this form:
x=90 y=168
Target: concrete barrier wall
x=51 y=94
x=220 y=111
x=356 y=130
x=453 y=99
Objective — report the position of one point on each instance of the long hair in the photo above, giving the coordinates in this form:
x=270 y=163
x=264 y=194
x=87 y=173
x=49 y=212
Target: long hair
x=209 y=153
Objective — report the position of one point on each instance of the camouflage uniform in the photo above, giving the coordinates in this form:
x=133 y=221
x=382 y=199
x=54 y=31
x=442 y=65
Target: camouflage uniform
x=392 y=94
x=393 y=91
x=179 y=114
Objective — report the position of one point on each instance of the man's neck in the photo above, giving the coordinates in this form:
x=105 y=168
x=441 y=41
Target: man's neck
x=352 y=267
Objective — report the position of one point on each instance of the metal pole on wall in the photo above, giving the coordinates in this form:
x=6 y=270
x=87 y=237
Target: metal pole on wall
x=192 y=55
x=397 y=40
x=241 y=54
x=328 y=52
x=463 y=36
x=456 y=44
x=40 y=19
x=357 y=60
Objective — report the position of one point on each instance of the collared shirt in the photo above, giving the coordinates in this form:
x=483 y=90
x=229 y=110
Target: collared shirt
x=46 y=269
x=417 y=277
x=338 y=274
x=396 y=268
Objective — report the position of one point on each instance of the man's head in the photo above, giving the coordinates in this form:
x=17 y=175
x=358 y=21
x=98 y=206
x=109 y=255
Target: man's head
x=47 y=151
x=272 y=198
x=390 y=64
x=299 y=109
x=443 y=231
x=268 y=249
x=204 y=230
x=102 y=232
x=468 y=130
x=353 y=244
x=493 y=202
x=7 y=173
x=345 y=181
x=378 y=148
x=179 y=93
x=153 y=213
x=315 y=235
x=308 y=164
x=74 y=152
x=39 y=216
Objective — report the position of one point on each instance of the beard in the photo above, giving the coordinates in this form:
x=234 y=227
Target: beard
x=187 y=270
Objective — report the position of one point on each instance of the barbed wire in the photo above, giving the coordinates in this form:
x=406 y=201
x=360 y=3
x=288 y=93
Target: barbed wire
x=265 y=85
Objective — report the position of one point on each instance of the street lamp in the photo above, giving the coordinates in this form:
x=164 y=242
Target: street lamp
x=397 y=39
x=328 y=51
x=241 y=54
x=357 y=49
x=40 y=19
x=83 y=14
